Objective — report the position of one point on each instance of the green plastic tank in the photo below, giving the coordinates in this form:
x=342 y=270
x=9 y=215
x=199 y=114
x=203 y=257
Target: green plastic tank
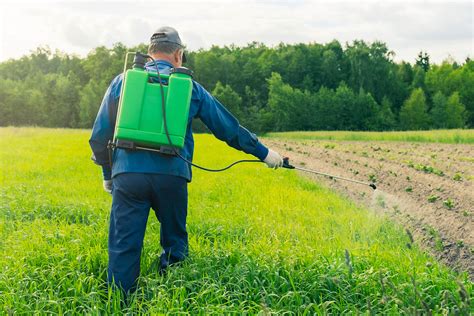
x=140 y=117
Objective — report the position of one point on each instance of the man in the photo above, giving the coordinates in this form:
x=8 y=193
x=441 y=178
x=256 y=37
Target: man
x=144 y=180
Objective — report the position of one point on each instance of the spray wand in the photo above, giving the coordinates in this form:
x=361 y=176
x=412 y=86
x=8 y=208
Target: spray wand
x=286 y=164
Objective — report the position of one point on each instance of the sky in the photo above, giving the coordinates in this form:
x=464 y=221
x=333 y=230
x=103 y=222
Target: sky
x=444 y=29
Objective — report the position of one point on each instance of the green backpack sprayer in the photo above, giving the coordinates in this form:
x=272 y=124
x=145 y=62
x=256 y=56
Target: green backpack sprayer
x=153 y=114
x=153 y=111
x=143 y=112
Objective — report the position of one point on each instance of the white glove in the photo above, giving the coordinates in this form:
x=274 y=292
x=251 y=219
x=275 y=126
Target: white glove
x=107 y=186
x=273 y=159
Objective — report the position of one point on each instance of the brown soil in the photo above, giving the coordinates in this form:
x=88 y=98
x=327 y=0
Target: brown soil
x=429 y=188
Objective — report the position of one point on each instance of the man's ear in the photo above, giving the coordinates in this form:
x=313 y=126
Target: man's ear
x=177 y=56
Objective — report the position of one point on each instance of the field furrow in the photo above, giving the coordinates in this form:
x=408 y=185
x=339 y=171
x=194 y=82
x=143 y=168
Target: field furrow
x=428 y=187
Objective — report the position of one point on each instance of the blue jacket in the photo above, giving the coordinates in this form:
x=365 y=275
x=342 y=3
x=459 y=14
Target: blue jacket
x=203 y=106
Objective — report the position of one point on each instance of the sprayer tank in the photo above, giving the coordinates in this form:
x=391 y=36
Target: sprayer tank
x=140 y=116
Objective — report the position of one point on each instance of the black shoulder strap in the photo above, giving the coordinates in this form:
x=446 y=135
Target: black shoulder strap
x=113 y=109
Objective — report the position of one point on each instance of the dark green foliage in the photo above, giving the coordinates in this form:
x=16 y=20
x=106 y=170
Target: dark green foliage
x=385 y=119
x=438 y=112
x=423 y=60
x=414 y=115
x=448 y=112
x=226 y=95
x=287 y=107
x=287 y=87
x=291 y=109
x=448 y=79
x=455 y=112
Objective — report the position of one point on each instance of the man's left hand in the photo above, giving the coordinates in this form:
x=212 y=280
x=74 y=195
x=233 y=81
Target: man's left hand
x=108 y=186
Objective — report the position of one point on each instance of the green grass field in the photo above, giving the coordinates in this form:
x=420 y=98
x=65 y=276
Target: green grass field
x=261 y=240
x=453 y=136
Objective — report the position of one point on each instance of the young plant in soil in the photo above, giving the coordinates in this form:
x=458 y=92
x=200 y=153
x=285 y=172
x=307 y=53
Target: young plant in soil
x=428 y=169
x=449 y=203
x=437 y=238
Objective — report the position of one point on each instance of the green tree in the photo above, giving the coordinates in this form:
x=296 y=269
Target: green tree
x=414 y=114
x=325 y=109
x=345 y=102
x=10 y=102
x=90 y=100
x=439 y=110
x=418 y=79
x=384 y=119
x=444 y=78
x=289 y=107
x=280 y=103
x=62 y=99
x=466 y=91
x=455 y=112
x=371 y=68
x=255 y=116
x=364 y=112
x=450 y=78
x=334 y=65
x=229 y=98
x=423 y=61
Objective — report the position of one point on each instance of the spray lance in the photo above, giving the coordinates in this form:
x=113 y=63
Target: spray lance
x=286 y=164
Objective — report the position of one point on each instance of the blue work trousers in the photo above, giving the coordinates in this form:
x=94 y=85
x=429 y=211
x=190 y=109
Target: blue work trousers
x=133 y=195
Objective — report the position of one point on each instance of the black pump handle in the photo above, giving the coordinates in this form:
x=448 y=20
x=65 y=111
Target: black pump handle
x=140 y=60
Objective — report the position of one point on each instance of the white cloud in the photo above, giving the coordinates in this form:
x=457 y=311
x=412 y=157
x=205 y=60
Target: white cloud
x=441 y=28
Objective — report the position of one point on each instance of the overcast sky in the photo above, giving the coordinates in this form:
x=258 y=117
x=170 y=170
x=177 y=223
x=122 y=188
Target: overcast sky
x=442 y=28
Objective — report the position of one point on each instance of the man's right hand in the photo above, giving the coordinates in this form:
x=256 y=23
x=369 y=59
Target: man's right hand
x=107 y=184
x=273 y=159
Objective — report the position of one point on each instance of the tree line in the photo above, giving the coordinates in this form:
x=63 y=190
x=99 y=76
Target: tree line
x=288 y=87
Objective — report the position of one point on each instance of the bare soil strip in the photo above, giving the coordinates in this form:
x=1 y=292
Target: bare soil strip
x=427 y=187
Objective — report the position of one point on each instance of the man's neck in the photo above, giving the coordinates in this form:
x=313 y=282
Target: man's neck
x=163 y=57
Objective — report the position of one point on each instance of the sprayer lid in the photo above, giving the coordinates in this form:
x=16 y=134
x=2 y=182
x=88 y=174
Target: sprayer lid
x=181 y=70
